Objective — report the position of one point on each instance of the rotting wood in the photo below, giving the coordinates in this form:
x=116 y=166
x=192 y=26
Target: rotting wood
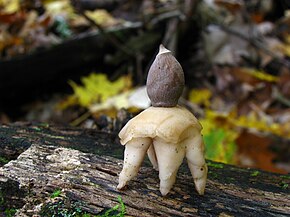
x=89 y=180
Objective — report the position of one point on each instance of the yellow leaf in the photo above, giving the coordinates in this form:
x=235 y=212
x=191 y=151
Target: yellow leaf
x=97 y=88
x=286 y=47
x=220 y=131
x=102 y=17
x=207 y=125
x=115 y=102
x=261 y=75
x=219 y=139
x=200 y=96
x=251 y=121
x=59 y=7
x=9 y=6
x=69 y=101
x=133 y=100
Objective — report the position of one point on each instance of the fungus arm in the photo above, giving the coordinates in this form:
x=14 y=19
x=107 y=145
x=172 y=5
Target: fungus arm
x=195 y=159
x=169 y=157
x=135 y=151
x=152 y=157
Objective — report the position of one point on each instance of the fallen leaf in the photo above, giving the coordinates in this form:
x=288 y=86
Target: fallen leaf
x=134 y=99
x=97 y=88
x=200 y=96
x=261 y=75
x=102 y=17
x=220 y=145
x=9 y=6
x=254 y=152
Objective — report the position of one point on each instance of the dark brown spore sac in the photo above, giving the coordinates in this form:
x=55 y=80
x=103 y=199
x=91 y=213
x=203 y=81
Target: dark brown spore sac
x=165 y=81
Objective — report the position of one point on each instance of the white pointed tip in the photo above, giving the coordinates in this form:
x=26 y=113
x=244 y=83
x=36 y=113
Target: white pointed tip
x=200 y=185
x=121 y=185
x=163 y=50
x=164 y=191
x=155 y=168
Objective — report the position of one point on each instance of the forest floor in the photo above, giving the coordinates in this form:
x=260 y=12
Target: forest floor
x=235 y=55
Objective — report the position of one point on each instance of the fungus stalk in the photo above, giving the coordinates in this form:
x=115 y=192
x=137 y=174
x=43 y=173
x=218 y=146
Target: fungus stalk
x=165 y=131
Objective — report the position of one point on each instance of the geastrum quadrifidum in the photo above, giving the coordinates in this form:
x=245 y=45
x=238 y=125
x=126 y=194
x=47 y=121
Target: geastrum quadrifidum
x=165 y=131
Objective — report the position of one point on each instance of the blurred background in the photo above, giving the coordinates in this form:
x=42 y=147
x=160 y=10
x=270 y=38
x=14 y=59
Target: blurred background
x=84 y=63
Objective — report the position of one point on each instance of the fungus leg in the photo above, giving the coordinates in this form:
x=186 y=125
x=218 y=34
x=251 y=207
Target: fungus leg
x=135 y=151
x=152 y=157
x=169 y=158
x=196 y=162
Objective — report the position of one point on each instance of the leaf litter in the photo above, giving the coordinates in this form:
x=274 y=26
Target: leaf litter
x=243 y=92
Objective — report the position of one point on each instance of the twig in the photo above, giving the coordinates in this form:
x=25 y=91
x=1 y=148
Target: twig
x=80 y=119
x=166 y=16
x=107 y=36
x=279 y=97
x=171 y=35
x=255 y=43
x=194 y=108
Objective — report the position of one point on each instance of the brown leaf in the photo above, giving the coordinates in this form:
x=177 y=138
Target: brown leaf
x=12 y=18
x=284 y=84
x=232 y=6
x=253 y=151
x=242 y=76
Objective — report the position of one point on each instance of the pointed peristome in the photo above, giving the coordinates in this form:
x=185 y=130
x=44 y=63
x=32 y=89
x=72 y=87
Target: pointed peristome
x=165 y=81
x=163 y=50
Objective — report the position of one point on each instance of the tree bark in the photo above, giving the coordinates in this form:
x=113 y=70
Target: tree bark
x=62 y=170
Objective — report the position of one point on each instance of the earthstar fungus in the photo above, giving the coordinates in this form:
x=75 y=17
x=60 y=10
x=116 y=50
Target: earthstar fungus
x=165 y=131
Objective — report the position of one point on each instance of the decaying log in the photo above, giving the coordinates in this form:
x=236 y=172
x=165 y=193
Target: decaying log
x=79 y=164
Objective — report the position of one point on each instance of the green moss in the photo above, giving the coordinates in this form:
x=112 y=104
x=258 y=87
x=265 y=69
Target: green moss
x=55 y=194
x=55 y=137
x=46 y=125
x=1 y=198
x=230 y=179
x=66 y=208
x=62 y=208
x=3 y=160
x=255 y=173
x=10 y=212
x=37 y=128
x=285 y=176
x=215 y=165
x=284 y=185
x=220 y=145
x=212 y=174
x=117 y=211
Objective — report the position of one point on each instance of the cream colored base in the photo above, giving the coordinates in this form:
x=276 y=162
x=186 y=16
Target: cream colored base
x=167 y=135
